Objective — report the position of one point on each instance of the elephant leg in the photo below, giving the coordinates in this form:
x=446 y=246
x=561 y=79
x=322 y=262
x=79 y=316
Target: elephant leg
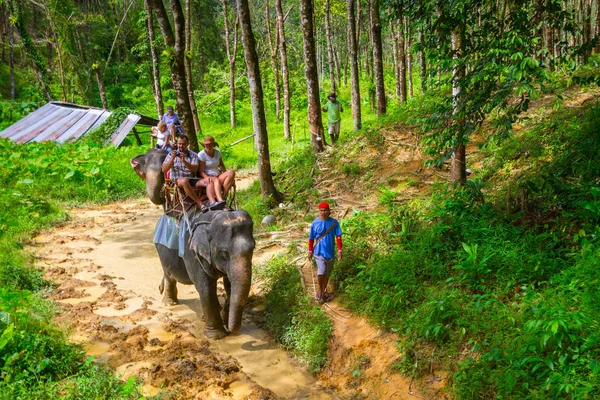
x=207 y=288
x=168 y=288
x=225 y=310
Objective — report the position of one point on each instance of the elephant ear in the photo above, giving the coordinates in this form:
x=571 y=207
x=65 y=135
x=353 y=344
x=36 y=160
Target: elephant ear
x=138 y=163
x=200 y=240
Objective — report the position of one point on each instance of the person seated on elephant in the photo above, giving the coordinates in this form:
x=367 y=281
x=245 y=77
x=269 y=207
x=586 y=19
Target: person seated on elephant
x=183 y=164
x=162 y=135
x=213 y=169
x=172 y=120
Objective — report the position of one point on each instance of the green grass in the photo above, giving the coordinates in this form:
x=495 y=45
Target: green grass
x=293 y=318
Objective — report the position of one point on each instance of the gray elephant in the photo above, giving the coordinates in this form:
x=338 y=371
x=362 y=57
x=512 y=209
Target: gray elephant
x=212 y=245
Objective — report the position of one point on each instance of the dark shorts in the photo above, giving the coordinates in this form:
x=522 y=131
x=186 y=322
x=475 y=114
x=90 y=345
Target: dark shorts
x=324 y=265
x=193 y=181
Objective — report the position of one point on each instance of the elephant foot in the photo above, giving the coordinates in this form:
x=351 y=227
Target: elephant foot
x=215 y=334
x=167 y=301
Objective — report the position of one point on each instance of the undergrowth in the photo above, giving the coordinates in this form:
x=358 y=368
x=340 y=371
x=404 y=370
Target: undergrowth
x=501 y=275
x=293 y=318
x=38 y=181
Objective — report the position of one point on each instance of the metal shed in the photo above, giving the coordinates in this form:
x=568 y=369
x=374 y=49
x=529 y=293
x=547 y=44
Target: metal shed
x=60 y=122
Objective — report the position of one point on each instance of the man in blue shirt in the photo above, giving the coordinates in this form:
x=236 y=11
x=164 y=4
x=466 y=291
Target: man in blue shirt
x=324 y=232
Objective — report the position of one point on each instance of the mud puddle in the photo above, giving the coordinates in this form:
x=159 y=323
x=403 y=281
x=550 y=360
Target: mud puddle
x=107 y=275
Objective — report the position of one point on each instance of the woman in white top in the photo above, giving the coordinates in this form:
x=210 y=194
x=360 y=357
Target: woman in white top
x=162 y=135
x=213 y=169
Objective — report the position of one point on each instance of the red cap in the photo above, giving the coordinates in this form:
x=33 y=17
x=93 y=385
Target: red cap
x=324 y=205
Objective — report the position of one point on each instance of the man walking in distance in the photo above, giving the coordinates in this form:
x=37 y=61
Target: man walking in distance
x=333 y=109
x=183 y=164
x=324 y=232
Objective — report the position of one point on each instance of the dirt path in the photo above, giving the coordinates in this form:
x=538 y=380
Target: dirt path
x=108 y=273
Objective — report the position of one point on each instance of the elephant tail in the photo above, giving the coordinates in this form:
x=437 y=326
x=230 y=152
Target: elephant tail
x=161 y=287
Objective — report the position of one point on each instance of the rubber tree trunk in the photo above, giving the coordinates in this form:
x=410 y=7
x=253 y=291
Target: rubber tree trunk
x=353 y=50
x=176 y=41
x=422 y=62
x=156 y=89
x=315 y=120
x=458 y=173
x=39 y=66
x=284 y=70
x=96 y=69
x=261 y=138
x=273 y=50
x=188 y=66
x=330 y=57
x=11 y=60
x=231 y=57
x=378 y=58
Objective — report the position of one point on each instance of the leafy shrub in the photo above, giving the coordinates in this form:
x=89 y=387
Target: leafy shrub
x=293 y=318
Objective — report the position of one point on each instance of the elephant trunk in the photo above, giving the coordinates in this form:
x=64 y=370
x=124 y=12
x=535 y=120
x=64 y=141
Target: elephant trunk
x=240 y=277
x=154 y=184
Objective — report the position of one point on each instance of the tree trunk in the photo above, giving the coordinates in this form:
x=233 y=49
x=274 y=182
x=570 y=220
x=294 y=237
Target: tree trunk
x=284 y=70
x=29 y=47
x=401 y=62
x=597 y=26
x=356 y=115
x=96 y=69
x=378 y=58
x=336 y=58
x=273 y=49
x=396 y=59
x=188 y=66
x=177 y=62
x=11 y=60
x=330 y=56
x=156 y=89
x=458 y=172
x=357 y=28
x=315 y=120
x=422 y=62
x=231 y=57
x=261 y=138
x=408 y=55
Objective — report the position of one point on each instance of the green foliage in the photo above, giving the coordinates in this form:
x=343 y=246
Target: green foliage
x=104 y=132
x=292 y=317
x=37 y=362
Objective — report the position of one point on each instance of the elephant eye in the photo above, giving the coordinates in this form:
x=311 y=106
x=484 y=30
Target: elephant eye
x=223 y=254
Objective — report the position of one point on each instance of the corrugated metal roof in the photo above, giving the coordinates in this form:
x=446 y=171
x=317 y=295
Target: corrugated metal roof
x=61 y=122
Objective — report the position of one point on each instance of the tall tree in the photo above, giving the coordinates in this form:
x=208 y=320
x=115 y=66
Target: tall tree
x=284 y=70
x=273 y=50
x=354 y=78
x=100 y=82
x=378 y=57
x=330 y=58
x=176 y=42
x=39 y=64
x=188 y=66
x=458 y=173
x=315 y=120
x=261 y=139
x=231 y=58
x=156 y=89
x=11 y=60
x=422 y=61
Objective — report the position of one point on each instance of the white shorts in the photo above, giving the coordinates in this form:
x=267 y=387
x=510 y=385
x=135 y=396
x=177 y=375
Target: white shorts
x=324 y=265
x=334 y=128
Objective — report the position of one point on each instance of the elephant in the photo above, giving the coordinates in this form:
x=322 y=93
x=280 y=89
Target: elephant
x=216 y=244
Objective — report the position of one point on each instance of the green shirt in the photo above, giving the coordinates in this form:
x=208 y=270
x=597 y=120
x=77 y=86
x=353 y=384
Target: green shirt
x=333 y=111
